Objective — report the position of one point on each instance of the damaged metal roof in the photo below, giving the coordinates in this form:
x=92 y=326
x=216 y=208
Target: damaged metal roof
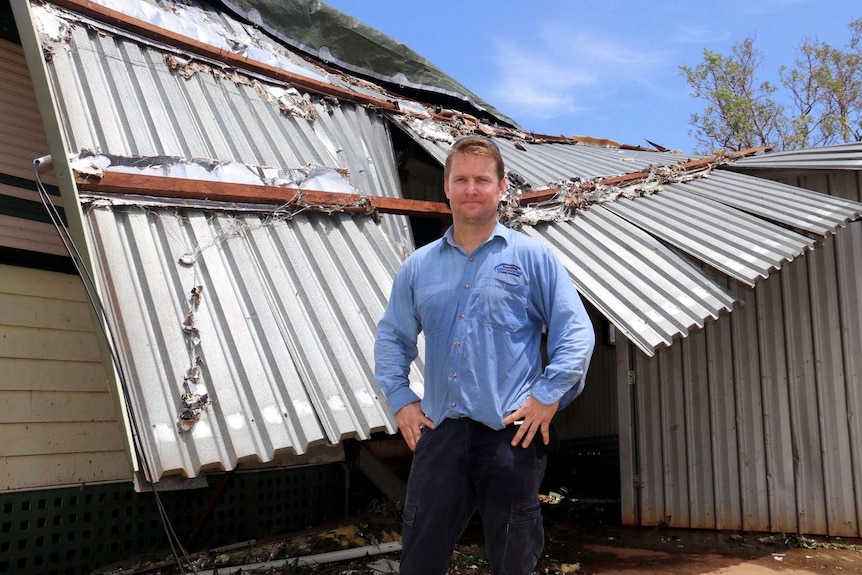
x=615 y=245
x=645 y=289
x=245 y=333
x=838 y=157
x=129 y=99
x=247 y=330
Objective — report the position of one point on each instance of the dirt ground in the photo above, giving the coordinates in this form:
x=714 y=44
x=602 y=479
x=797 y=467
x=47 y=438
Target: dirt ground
x=615 y=550
x=586 y=539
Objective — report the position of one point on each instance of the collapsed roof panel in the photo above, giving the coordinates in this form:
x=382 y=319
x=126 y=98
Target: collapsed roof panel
x=741 y=246
x=127 y=98
x=540 y=163
x=796 y=208
x=244 y=334
x=651 y=294
x=731 y=222
x=287 y=302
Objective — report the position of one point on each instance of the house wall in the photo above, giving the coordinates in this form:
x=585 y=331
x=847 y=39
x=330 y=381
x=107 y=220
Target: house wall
x=24 y=224
x=57 y=420
x=58 y=424
x=752 y=423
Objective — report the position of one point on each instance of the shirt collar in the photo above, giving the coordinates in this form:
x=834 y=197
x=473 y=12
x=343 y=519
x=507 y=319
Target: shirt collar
x=500 y=231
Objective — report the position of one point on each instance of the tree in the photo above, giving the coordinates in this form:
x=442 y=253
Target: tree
x=822 y=97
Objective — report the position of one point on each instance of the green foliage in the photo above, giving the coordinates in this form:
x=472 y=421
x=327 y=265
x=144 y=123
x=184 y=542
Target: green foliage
x=821 y=97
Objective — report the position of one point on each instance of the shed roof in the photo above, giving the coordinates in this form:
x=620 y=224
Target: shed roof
x=279 y=336
x=838 y=157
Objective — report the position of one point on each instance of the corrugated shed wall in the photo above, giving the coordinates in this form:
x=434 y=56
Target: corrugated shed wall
x=752 y=423
x=23 y=223
x=57 y=423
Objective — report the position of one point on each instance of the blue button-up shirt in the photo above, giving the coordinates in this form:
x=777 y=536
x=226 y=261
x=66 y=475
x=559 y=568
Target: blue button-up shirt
x=483 y=315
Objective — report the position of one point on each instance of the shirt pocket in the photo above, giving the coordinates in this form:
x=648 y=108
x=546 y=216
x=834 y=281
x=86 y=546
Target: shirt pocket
x=433 y=305
x=504 y=304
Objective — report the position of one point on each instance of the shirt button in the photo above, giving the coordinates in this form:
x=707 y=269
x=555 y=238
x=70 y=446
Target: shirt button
x=471 y=259
x=466 y=287
x=461 y=314
x=455 y=374
x=457 y=344
x=453 y=405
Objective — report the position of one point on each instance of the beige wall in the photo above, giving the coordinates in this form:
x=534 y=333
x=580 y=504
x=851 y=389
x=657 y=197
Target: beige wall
x=58 y=424
x=22 y=140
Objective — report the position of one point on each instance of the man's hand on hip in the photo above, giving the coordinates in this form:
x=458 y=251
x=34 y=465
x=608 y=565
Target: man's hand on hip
x=535 y=417
x=411 y=419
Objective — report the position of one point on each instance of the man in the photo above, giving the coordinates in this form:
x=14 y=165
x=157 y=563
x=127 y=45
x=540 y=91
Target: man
x=481 y=294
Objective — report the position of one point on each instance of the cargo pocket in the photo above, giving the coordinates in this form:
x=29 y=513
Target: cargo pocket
x=525 y=536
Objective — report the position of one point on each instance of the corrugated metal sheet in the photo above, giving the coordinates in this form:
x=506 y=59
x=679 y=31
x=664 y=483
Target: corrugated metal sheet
x=121 y=98
x=741 y=246
x=647 y=291
x=839 y=157
x=288 y=311
x=547 y=163
x=843 y=182
x=726 y=220
x=286 y=325
x=796 y=208
x=749 y=424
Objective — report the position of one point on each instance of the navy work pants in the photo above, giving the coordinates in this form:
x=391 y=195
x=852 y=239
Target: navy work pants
x=459 y=467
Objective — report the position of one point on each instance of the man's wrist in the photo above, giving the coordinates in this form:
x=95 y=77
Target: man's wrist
x=400 y=398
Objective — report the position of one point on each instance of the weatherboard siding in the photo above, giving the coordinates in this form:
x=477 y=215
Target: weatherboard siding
x=58 y=424
x=22 y=139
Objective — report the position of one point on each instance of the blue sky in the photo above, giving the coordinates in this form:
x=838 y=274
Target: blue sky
x=602 y=68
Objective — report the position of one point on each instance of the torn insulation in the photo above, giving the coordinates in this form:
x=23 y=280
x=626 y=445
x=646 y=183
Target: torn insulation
x=194 y=398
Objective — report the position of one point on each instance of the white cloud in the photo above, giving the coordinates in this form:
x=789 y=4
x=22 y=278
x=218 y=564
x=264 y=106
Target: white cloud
x=531 y=81
x=563 y=71
x=698 y=34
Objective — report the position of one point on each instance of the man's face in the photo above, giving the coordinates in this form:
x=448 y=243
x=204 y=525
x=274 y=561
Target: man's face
x=473 y=188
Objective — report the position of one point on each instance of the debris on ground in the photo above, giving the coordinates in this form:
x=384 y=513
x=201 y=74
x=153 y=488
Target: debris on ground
x=582 y=537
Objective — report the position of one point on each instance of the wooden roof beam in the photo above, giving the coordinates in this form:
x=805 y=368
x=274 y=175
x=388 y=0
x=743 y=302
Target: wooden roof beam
x=182 y=188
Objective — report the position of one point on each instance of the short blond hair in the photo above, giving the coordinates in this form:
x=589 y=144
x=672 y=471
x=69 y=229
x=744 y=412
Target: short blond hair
x=480 y=146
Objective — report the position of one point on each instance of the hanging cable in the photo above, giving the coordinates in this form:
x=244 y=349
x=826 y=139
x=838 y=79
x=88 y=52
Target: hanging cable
x=176 y=545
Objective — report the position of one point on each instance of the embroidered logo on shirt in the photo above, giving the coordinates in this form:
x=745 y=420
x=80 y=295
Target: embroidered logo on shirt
x=509 y=269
